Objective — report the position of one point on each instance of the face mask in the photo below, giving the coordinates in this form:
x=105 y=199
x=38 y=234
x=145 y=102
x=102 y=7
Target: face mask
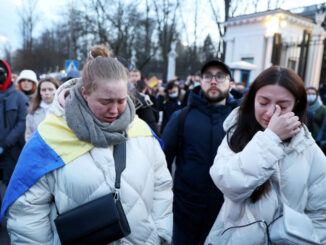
x=311 y=98
x=196 y=84
x=3 y=77
x=174 y=95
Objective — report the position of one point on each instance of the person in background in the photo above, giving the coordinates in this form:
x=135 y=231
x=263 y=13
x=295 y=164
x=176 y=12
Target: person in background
x=41 y=104
x=27 y=83
x=238 y=90
x=192 y=136
x=197 y=79
x=172 y=101
x=14 y=77
x=143 y=105
x=191 y=82
x=268 y=161
x=316 y=110
x=134 y=76
x=72 y=151
x=13 y=110
x=182 y=84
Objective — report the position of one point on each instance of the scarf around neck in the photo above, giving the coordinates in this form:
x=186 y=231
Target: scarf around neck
x=87 y=127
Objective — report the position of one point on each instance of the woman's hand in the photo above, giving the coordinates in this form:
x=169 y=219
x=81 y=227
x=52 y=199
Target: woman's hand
x=284 y=125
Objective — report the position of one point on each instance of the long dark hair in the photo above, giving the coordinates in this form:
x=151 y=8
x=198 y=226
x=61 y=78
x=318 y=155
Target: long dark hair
x=37 y=97
x=247 y=126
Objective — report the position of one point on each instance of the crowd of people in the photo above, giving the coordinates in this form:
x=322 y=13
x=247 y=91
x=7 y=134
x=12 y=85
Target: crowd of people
x=207 y=160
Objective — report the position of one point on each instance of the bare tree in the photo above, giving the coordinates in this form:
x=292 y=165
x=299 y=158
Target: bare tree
x=166 y=22
x=144 y=45
x=28 y=19
x=114 y=26
x=221 y=28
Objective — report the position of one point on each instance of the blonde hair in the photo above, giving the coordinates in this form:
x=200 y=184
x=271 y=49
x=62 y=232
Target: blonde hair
x=98 y=50
x=101 y=68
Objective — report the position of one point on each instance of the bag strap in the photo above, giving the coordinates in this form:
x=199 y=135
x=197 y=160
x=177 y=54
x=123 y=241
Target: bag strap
x=119 y=155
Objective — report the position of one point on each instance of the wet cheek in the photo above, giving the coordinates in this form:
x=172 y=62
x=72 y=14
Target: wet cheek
x=121 y=108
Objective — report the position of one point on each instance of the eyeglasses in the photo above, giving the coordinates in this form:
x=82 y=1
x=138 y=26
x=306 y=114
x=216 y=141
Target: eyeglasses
x=219 y=77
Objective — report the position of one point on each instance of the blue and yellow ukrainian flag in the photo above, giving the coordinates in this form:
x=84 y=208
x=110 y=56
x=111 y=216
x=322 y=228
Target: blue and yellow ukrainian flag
x=52 y=146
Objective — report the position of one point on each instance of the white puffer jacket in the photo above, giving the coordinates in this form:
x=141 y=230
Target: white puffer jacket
x=298 y=175
x=146 y=194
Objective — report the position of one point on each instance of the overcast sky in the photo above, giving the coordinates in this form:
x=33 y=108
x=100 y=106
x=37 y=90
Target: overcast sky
x=49 y=13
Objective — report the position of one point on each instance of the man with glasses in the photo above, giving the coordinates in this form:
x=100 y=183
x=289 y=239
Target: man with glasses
x=197 y=200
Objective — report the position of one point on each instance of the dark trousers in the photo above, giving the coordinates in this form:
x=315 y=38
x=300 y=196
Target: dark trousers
x=180 y=237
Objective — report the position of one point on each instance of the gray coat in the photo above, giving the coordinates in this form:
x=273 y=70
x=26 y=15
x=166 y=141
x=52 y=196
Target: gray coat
x=33 y=120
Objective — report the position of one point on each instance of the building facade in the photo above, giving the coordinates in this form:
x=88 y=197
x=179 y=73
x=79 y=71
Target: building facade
x=277 y=37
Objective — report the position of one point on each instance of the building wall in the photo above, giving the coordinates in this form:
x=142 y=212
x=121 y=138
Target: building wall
x=255 y=40
x=246 y=41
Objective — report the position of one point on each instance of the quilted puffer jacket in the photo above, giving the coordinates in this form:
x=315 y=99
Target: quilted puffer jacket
x=297 y=173
x=146 y=194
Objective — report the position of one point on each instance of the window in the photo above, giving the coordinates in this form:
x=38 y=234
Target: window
x=292 y=63
x=244 y=77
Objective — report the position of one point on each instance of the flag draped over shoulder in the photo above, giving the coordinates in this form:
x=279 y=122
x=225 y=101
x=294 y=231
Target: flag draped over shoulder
x=52 y=146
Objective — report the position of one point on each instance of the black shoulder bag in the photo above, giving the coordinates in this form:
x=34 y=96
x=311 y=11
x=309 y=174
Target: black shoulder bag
x=100 y=221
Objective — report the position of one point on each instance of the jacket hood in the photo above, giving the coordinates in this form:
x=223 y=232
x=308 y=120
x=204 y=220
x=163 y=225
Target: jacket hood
x=8 y=81
x=231 y=119
x=298 y=143
x=60 y=97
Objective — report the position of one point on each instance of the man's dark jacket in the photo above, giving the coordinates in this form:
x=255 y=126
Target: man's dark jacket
x=13 y=111
x=197 y=200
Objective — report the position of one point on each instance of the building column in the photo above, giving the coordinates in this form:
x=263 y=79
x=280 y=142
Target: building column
x=269 y=49
x=171 y=62
x=315 y=53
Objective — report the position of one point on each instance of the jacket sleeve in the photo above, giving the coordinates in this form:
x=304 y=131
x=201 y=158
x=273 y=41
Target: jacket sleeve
x=147 y=114
x=237 y=175
x=163 y=196
x=170 y=138
x=29 y=127
x=316 y=204
x=19 y=128
x=28 y=217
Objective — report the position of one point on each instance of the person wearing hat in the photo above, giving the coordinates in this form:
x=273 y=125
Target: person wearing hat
x=193 y=135
x=13 y=111
x=27 y=83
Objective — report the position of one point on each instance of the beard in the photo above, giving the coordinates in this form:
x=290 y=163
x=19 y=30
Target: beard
x=215 y=98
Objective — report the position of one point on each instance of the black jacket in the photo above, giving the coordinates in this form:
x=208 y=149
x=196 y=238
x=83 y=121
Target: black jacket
x=197 y=200
x=13 y=111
